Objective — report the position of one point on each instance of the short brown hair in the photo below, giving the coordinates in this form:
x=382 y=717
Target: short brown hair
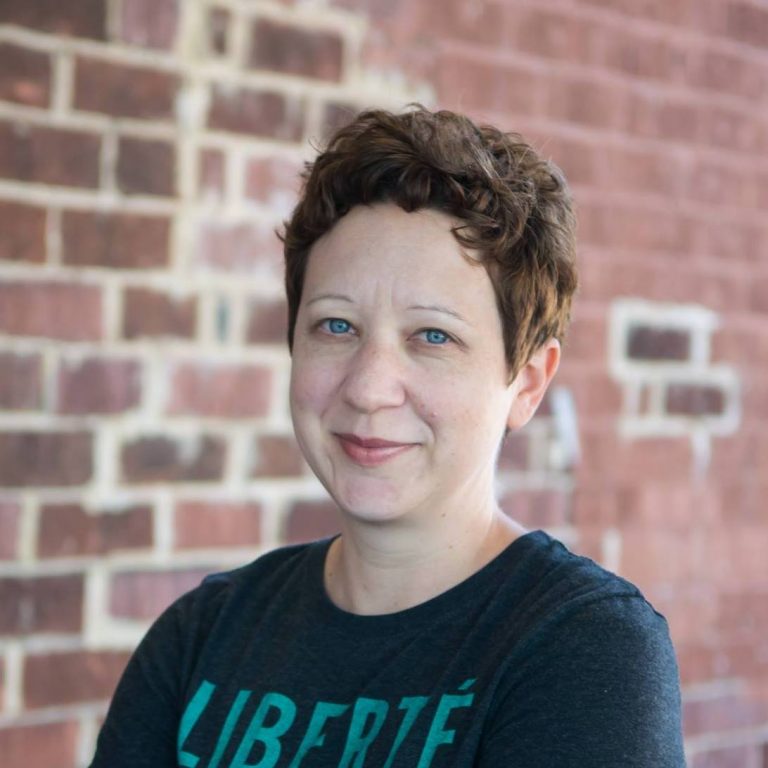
x=515 y=206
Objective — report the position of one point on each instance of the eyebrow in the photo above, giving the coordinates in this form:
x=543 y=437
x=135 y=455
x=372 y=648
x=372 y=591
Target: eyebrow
x=429 y=307
x=337 y=296
x=440 y=308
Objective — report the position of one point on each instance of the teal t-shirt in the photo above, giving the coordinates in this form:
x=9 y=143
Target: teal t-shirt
x=542 y=658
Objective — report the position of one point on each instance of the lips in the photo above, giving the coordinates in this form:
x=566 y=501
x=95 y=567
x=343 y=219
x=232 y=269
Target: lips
x=371 y=451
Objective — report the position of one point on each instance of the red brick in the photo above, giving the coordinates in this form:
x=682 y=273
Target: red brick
x=597 y=506
x=716 y=183
x=515 y=452
x=276 y=456
x=677 y=13
x=218 y=26
x=759 y=294
x=115 y=240
x=656 y=506
x=49 y=155
x=467 y=84
x=747 y=22
x=45 y=458
x=646 y=343
x=41 y=604
x=64 y=311
x=250 y=248
x=727 y=72
x=549 y=34
x=579 y=161
x=334 y=116
x=731 y=129
x=310 y=520
x=67 y=530
x=257 y=113
x=647 y=171
x=484 y=23
x=149 y=313
x=71 y=677
x=124 y=91
x=10 y=516
x=164 y=460
x=145 y=595
x=586 y=102
x=694 y=400
x=595 y=392
x=149 y=23
x=146 y=167
x=85 y=18
x=587 y=337
x=203 y=524
x=211 y=174
x=49 y=745
x=20 y=382
x=663 y=459
x=535 y=509
x=736 y=557
x=98 y=385
x=642 y=56
x=743 y=615
x=268 y=322
x=666 y=119
x=745 y=756
x=697 y=661
x=273 y=181
x=660 y=558
x=639 y=229
x=25 y=76
x=283 y=48
x=222 y=391
x=22 y=233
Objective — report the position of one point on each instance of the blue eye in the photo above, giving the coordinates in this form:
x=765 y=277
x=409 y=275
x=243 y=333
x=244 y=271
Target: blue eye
x=434 y=336
x=337 y=326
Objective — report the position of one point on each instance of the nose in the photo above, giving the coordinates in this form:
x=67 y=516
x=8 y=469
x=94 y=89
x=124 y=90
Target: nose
x=374 y=379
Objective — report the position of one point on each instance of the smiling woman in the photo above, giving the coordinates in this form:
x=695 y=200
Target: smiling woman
x=429 y=274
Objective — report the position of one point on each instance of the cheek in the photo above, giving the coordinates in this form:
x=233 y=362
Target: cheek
x=311 y=388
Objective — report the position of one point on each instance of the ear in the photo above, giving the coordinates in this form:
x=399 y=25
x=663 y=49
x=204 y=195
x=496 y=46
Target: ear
x=531 y=383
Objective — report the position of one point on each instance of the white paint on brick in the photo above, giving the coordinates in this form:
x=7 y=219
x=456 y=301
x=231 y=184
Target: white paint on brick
x=14 y=654
x=53 y=237
x=62 y=73
x=163 y=528
x=88 y=729
x=566 y=445
x=238 y=459
x=106 y=461
x=611 y=550
x=656 y=376
x=28 y=527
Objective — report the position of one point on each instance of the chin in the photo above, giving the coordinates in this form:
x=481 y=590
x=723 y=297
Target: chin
x=364 y=502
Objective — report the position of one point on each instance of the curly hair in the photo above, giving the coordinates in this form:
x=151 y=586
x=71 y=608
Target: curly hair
x=514 y=207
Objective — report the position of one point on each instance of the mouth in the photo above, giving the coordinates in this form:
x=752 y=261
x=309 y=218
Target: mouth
x=371 y=451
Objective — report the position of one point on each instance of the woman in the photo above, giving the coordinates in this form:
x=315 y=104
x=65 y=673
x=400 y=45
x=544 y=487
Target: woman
x=429 y=273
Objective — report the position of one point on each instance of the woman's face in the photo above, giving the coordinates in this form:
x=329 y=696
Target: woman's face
x=399 y=391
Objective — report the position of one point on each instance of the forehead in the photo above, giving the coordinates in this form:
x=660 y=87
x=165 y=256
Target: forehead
x=413 y=253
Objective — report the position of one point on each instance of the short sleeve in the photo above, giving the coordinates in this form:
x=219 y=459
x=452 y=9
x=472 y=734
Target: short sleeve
x=599 y=688
x=142 y=720
x=141 y=727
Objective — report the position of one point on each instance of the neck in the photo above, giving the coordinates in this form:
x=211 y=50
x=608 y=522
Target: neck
x=383 y=568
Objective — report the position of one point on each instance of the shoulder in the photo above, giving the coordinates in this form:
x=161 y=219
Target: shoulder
x=268 y=573
x=580 y=616
x=594 y=666
x=197 y=610
x=560 y=586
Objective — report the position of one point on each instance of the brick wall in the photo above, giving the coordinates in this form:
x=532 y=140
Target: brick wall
x=148 y=149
